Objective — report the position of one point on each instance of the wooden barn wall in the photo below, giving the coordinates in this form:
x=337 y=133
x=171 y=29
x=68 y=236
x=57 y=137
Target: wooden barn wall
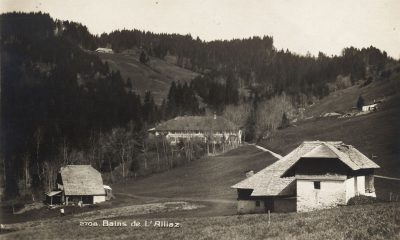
x=318 y=166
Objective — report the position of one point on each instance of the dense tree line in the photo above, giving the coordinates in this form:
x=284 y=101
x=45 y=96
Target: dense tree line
x=181 y=101
x=251 y=63
x=216 y=90
x=55 y=94
x=254 y=62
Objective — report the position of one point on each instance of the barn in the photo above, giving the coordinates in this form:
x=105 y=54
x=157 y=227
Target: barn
x=79 y=183
x=315 y=175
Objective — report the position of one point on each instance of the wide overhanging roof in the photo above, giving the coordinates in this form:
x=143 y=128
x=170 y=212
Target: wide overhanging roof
x=81 y=180
x=271 y=181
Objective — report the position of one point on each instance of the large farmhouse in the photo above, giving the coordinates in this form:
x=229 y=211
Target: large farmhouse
x=211 y=129
x=78 y=183
x=315 y=175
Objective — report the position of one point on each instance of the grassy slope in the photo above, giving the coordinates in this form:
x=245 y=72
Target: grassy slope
x=206 y=181
x=343 y=100
x=376 y=221
x=156 y=76
x=376 y=134
x=206 y=178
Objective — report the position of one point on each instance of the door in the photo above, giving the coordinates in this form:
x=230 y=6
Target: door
x=269 y=204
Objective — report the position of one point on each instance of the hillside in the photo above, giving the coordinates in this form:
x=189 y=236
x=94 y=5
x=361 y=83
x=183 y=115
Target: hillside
x=156 y=76
x=206 y=178
x=344 y=100
x=375 y=134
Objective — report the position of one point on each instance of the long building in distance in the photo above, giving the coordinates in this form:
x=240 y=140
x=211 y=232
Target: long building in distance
x=210 y=129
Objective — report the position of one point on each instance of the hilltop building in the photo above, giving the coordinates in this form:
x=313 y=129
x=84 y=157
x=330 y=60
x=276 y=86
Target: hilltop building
x=79 y=183
x=104 y=50
x=315 y=175
x=210 y=129
x=370 y=108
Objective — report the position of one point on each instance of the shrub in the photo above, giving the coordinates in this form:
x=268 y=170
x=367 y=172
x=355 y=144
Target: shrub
x=358 y=200
x=366 y=83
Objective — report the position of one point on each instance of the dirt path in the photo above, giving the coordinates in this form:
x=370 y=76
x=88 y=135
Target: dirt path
x=267 y=150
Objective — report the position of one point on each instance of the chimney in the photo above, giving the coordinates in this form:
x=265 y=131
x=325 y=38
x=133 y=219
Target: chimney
x=249 y=173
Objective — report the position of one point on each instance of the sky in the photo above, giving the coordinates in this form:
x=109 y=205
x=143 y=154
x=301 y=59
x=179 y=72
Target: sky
x=298 y=25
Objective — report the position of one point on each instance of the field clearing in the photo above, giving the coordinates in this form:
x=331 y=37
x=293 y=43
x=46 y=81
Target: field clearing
x=156 y=76
x=375 y=221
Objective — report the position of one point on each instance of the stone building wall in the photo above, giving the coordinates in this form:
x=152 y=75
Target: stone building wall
x=330 y=194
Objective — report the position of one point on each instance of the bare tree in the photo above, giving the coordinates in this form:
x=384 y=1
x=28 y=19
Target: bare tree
x=26 y=160
x=38 y=135
x=269 y=114
x=120 y=147
x=237 y=114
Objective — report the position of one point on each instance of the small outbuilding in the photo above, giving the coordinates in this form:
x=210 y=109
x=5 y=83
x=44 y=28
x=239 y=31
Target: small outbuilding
x=109 y=194
x=80 y=184
x=104 y=50
x=370 y=108
x=315 y=175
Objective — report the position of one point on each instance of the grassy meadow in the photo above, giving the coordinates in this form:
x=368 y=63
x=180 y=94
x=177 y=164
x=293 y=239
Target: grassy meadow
x=375 y=221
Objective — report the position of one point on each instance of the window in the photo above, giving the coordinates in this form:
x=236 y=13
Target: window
x=257 y=203
x=317 y=185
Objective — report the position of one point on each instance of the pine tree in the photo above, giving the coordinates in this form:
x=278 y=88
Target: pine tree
x=285 y=121
x=360 y=102
x=143 y=58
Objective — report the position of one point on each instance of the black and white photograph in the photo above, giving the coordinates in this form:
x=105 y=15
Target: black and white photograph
x=200 y=119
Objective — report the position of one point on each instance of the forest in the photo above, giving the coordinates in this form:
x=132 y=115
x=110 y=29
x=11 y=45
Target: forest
x=60 y=104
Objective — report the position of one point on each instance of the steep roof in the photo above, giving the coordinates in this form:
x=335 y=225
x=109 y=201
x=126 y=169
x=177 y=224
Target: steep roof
x=197 y=123
x=81 y=180
x=271 y=181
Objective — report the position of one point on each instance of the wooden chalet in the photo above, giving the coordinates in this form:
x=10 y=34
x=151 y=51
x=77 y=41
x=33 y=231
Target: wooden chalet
x=78 y=184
